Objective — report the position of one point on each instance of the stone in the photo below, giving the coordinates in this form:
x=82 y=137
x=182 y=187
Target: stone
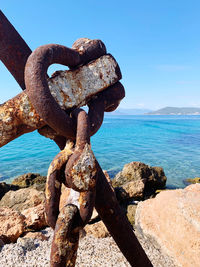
x=171 y=224
x=97 y=230
x=137 y=180
x=11 y=225
x=22 y=199
x=64 y=197
x=1 y=243
x=26 y=243
x=4 y=188
x=131 y=210
x=30 y=179
x=36 y=235
x=192 y=180
x=35 y=217
x=133 y=189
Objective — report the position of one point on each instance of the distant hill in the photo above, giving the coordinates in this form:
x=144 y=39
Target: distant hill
x=123 y=111
x=175 y=111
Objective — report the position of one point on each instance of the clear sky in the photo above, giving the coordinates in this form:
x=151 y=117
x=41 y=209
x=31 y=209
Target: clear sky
x=156 y=43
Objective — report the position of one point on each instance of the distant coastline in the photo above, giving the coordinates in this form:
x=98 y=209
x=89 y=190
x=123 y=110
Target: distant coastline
x=162 y=111
x=176 y=111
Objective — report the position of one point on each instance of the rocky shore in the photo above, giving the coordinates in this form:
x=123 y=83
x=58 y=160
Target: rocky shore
x=167 y=224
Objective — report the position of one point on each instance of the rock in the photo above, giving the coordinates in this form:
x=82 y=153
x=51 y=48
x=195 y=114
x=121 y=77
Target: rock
x=64 y=197
x=27 y=243
x=131 y=210
x=97 y=230
x=35 y=217
x=192 y=180
x=11 y=225
x=1 y=243
x=36 y=235
x=132 y=189
x=31 y=179
x=171 y=223
x=22 y=199
x=4 y=188
x=138 y=180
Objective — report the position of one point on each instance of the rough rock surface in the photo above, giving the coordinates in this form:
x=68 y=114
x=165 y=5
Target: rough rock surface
x=4 y=188
x=30 y=179
x=171 y=224
x=138 y=180
x=35 y=217
x=97 y=230
x=11 y=225
x=192 y=180
x=131 y=210
x=36 y=235
x=22 y=199
x=132 y=189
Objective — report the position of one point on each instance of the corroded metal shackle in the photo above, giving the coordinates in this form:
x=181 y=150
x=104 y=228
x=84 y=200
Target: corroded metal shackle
x=37 y=87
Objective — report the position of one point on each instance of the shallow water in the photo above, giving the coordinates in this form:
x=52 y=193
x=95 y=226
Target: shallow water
x=169 y=141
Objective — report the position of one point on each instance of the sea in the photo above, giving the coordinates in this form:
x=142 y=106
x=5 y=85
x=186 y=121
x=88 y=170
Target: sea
x=172 y=142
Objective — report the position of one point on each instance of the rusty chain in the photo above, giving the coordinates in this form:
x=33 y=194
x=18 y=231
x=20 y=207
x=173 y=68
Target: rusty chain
x=70 y=127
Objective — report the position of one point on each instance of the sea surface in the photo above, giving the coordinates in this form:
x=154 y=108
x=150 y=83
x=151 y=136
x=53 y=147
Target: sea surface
x=172 y=142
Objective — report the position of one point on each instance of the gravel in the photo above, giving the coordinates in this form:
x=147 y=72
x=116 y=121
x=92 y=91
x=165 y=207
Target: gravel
x=92 y=252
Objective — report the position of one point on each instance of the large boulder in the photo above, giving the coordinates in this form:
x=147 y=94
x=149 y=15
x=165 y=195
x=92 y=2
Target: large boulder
x=11 y=225
x=22 y=199
x=171 y=224
x=138 y=180
x=30 y=179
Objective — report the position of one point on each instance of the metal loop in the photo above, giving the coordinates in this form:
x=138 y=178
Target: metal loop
x=38 y=90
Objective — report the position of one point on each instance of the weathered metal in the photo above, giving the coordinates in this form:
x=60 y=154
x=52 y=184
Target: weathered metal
x=66 y=237
x=83 y=179
x=117 y=223
x=92 y=80
x=18 y=116
x=80 y=173
x=89 y=49
x=43 y=97
x=54 y=182
x=13 y=50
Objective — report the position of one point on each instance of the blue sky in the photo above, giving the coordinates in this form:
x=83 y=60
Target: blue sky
x=156 y=43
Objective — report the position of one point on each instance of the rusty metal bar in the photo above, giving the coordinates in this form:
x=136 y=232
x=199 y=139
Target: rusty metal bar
x=66 y=237
x=17 y=116
x=13 y=50
x=117 y=223
x=54 y=182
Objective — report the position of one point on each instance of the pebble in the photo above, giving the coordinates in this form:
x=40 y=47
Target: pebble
x=92 y=252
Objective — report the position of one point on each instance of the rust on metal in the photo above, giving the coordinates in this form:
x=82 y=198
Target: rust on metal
x=13 y=50
x=117 y=223
x=24 y=117
x=66 y=237
x=89 y=49
x=51 y=107
x=17 y=116
x=54 y=182
x=39 y=92
x=80 y=171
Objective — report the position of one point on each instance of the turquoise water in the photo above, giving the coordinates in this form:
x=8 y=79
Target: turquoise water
x=172 y=142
